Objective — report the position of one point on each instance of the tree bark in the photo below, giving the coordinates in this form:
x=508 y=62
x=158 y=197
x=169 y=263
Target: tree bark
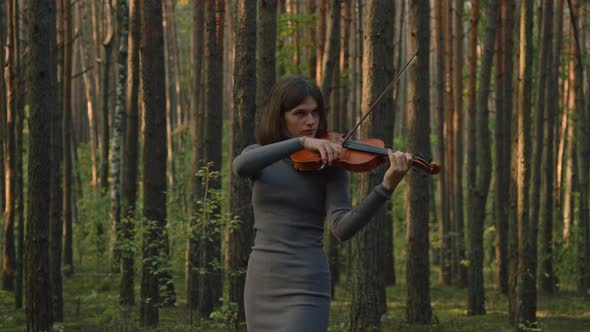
x=197 y=152
x=331 y=53
x=2 y=111
x=210 y=283
x=242 y=238
x=86 y=58
x=321 y=46
x=502 y=138
x=368 y=286
x=450 y=238
x=418 y=307
x=458 y=142
x=522 y=301
x=582 y=150
x=41 y=83
x=444 y=222
x=548 y=282
x=331 y=66
x=478 y=186
x=130 y=158
x=265 y=54
x=171 y=100
x=180 y=99
x=66 y=154
x=310 y=35
x=154 y=161
x=105 y=62
x=8 y=248
x=118 y=130
x=568 y=149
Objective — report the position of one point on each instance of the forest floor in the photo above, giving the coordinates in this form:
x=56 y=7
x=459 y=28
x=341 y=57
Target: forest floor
x=91 y=304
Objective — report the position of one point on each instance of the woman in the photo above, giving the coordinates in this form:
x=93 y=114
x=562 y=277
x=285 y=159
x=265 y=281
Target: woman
x=288 y=281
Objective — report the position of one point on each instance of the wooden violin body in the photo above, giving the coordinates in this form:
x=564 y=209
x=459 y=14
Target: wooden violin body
x=358 y=156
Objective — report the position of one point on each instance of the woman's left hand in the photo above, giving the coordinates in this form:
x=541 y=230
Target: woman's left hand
x=400 y=163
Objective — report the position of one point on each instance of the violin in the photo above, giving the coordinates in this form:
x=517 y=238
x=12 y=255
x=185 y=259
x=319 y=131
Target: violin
x=362 y=155
x=357 y=156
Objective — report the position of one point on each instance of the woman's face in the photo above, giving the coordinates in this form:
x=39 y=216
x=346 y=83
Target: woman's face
x=303 y=119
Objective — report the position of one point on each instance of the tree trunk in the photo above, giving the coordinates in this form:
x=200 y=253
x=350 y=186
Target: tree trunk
x=266 y=42
x=171 y=100
x=154 y=161
x=56 y=147
x=18 y=160
x=105 y=79
x=345 y=66
x=418 y=308
x=105 y=62
x=321 y=45
x=41 y=83
x=210 y=282
x=460 y=273
x=180 y=100
x=310 y=35
x=502 y=138
x=242 y=238
x=331 y=66
x=470 y=142
x=19 y=196
x=568 y=150
x=582 y=150
x=96 y=16
x=548 y=282
x=526 y=314
x=66 y=155
x=2 y=112
x=118 y=130
x=478 y=186
x=8 y=252
x=329 y=60
x=197 y=152
x=368 y=287
x=444 y=222
x=130 y=158
x=522 y=301
x=86 y=58
x=449 y=239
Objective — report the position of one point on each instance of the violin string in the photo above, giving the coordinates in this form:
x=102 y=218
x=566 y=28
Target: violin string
x=365 y=148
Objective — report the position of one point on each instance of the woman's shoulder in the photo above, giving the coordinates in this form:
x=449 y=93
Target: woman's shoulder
x=251 y=147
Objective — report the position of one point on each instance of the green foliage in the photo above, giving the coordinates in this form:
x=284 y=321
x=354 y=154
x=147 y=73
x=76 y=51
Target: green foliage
x=287 y=25
x=91 y=232
x=209 y=221
x=226 y=315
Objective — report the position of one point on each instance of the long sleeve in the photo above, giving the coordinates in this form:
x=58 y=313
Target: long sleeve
x=345 y=221
x=255 y=158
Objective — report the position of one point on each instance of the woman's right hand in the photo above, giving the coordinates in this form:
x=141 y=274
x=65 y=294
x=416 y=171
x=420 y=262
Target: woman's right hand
x=329 y=150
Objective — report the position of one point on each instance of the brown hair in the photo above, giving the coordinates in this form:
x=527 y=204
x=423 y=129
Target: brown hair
x=285 y=95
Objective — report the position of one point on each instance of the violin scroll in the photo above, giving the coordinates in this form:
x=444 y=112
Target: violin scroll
x=421 y=165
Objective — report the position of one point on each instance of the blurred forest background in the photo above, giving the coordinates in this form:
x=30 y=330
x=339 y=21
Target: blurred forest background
x=120 y=118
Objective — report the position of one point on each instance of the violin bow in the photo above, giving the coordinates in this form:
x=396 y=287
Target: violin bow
x=372 y=107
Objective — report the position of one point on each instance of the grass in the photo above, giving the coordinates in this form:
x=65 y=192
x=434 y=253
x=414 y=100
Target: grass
x=91 y=304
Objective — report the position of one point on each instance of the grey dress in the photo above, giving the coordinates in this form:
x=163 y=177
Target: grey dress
x=288 y=281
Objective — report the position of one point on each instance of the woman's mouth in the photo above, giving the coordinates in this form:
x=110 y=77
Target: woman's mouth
x=308 y=132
